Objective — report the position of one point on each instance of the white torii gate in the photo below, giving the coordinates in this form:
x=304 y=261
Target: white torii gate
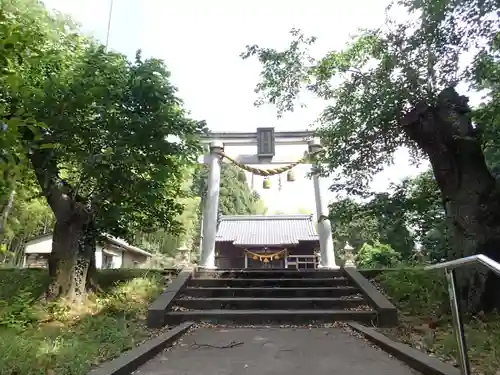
x=266 y=140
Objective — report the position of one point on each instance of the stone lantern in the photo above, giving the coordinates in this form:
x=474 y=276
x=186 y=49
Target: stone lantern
x=349 y=255
x=317 y=254
x=185 y=254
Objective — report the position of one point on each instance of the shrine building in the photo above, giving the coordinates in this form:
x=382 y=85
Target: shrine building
x=258 y=241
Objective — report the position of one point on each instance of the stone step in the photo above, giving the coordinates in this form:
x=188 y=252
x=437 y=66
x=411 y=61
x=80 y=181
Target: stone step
x=293 y=282
x=271 y=292
x=269 y=303
x=296 y=317
x=249 y=273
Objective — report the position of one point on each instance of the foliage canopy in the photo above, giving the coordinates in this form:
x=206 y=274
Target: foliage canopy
x=370 y=86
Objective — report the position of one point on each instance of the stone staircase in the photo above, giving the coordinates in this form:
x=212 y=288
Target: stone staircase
x=254 y=297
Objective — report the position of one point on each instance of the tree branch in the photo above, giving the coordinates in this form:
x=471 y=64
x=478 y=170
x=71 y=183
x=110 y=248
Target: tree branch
x=56 y=190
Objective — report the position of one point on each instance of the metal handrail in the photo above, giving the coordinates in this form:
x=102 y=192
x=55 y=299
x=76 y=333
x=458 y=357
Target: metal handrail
x=449 y=268
x=482 y=259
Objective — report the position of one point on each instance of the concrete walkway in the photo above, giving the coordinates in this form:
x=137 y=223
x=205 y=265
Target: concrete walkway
x=272 y=351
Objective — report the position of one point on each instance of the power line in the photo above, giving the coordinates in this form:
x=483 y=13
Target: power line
x=109 y=22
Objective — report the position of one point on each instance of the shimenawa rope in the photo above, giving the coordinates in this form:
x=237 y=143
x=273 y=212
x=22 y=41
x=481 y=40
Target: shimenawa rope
x=267 y=172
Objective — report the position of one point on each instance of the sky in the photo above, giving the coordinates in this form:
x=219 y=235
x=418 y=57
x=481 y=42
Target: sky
x=201 y=41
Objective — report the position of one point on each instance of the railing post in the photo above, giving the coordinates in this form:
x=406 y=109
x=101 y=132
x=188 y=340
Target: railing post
x=463 y=358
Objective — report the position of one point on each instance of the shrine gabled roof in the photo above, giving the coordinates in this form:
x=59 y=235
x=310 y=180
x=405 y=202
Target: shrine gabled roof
x=260 y=230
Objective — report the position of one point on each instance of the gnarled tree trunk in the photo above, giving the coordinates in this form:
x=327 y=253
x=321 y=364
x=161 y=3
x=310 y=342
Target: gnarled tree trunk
x=471 y=196
x=66 y=242
x=72 y=262
x=73 y=247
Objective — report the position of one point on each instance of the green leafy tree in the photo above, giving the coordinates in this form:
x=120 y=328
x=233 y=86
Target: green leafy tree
x=377 y=255
x=487 y=78
x=29 y=216
x=421 y=201
x=104 y=160
x=393 y=87
x=30 y=213
x=236 y=197
x=381 y=218
x=422 y=205
x=353 y=224
x=411 y=214
x=26 y=42
x=120 y=166
x=164 y=243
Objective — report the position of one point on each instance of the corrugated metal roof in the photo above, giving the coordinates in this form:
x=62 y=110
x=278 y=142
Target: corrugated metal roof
x=245 y=230
x=48 y=248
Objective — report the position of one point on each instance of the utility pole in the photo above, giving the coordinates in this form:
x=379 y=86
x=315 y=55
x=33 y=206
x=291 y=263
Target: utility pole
x=109 y=22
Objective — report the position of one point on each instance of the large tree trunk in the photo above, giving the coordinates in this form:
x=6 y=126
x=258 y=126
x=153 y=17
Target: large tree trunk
x=72 y=247
x=66 y=242
x=72 y=262
x=471 y=196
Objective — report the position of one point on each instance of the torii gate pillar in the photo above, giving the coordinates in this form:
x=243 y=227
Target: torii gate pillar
x=324 y=226
x=211 y=207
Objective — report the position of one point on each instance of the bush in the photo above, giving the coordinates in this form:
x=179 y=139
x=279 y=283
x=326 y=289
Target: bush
x=111 y=277
x=425 y=323
x=19 y=313
x=14 y=281
x=69 y=339
x=20 y=289
x=416 y=291
x=377 y=256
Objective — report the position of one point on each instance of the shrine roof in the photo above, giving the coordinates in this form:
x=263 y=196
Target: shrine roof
x=261 y=230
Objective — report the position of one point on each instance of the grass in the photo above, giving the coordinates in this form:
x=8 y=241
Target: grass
x=64 y=339
x=420 y=296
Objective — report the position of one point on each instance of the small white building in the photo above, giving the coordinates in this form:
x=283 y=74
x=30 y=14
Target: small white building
x=112 y=252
